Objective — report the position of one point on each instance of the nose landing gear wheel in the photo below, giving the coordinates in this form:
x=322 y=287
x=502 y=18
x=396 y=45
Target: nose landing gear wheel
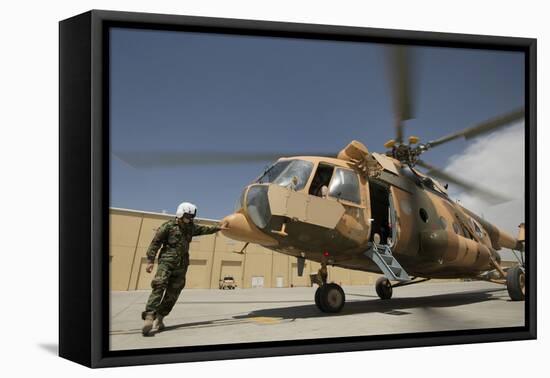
x=330 y=298
x=515 y=283
x=383 y=288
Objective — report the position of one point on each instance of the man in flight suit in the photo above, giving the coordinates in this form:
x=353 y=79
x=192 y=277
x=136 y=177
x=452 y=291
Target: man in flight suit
x=174 y=236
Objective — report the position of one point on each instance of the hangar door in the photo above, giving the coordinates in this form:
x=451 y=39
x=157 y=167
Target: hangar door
x=197 y=275
x=233 y=269
x=144 y=278
x=298 y=281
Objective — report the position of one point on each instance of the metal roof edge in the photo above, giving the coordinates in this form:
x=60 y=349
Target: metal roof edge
x=168 y=215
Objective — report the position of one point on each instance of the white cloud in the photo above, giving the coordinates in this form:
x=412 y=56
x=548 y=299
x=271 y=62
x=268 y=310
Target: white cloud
x=495 y=162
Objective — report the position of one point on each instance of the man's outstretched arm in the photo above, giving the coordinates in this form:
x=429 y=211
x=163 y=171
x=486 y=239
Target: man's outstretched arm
x=206 y=230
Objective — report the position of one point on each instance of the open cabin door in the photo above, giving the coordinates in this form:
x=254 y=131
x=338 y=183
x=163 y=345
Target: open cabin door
x=392 y=222
x=380 y=212
x=402 y=218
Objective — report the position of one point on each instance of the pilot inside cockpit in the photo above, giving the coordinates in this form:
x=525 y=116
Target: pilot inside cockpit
x=321 y=180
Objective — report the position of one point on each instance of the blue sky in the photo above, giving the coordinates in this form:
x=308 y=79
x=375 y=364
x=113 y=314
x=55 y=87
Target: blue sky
x=193 y=92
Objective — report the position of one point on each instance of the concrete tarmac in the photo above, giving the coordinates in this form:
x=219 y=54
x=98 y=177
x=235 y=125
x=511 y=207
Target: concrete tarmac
x=208 y=317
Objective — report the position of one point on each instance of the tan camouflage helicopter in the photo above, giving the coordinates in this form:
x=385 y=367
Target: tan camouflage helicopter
x=375 y=212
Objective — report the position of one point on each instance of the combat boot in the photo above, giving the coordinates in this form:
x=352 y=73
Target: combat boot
x=148 y=318
x=159 y=324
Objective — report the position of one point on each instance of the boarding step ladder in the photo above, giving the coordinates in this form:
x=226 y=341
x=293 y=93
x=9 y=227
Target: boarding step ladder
x=382 y=256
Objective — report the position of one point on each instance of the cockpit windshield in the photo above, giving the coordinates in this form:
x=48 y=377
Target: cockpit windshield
x=288 y=173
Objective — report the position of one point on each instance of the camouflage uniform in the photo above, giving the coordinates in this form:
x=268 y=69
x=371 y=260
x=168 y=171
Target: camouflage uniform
x=172 y=263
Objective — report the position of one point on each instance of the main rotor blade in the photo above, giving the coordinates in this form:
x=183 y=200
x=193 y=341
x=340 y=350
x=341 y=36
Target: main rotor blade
x=153 y=159
x=399 y=65
x=484 y=194
x=482 y=128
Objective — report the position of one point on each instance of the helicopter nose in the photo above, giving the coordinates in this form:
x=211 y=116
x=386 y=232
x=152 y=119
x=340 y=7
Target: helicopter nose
x=238 y=228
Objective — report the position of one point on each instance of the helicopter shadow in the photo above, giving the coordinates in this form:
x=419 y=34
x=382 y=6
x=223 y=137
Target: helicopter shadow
x=393 y=306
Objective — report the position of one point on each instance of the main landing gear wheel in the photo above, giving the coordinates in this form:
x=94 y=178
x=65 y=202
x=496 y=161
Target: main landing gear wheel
x=318 y=298
x=515 y=283
x=330 y=298
x=383 y=288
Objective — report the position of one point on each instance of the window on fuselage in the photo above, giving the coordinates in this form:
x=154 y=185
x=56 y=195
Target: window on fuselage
x=321 y=179
x=345 y=186
x=477 y=229
x=273 y=172
x=283 y=172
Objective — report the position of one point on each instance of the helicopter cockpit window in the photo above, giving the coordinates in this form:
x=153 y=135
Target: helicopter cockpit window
x=288 y=173
x=321 y=180
x=345 y=185
x=273 y=172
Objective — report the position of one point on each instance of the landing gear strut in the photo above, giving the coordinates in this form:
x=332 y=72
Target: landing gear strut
x=513 y=278
x=329 y=297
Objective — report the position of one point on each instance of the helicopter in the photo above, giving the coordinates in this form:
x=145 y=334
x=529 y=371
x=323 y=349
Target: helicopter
x=378 y=212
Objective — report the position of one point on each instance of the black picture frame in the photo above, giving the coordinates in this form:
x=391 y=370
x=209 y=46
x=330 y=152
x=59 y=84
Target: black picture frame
x=84 y=188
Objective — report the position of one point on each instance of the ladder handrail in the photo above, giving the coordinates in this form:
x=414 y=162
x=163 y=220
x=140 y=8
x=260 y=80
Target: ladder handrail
x=376 y=253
